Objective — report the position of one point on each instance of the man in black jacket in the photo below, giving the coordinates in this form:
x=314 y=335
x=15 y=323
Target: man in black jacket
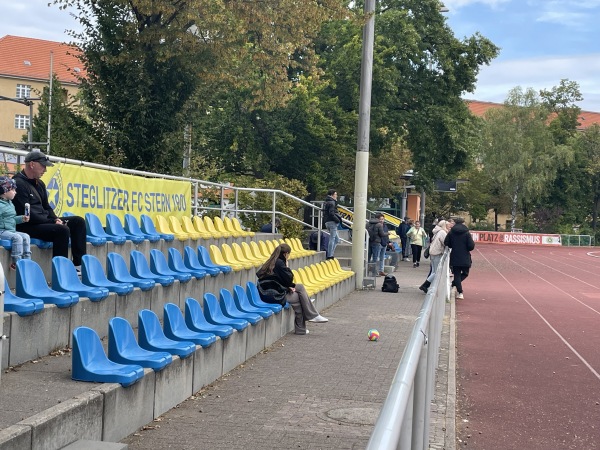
x=43 y=223
x=461 y=242
x=332 y=219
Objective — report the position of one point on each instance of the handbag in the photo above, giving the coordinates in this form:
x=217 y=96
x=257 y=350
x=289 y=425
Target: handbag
x=272 y=291
x=426 y=253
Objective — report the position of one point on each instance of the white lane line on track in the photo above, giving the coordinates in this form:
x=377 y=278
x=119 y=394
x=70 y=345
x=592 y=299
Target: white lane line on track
x=554 y=330
x=563 y=260
x=549 y=267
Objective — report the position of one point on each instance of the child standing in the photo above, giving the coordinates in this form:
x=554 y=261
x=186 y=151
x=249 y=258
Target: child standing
x=21 y=243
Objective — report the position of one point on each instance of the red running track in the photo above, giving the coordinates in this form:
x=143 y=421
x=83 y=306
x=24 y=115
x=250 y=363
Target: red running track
x=528 y=349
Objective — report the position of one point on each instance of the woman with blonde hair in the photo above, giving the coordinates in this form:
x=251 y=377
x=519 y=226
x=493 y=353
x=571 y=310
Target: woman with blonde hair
x=276 y=282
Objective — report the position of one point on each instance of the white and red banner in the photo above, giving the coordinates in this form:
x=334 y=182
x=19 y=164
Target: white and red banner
x=490 y=237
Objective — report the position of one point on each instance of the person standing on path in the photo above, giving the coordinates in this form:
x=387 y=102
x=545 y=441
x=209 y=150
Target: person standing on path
x=436 y=251
x=461 y=242
x=402 y=230
x=417 y=237
x=332 y=219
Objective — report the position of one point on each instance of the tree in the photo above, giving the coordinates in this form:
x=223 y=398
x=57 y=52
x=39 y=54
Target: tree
x=518 y=151
x=71 y=133
x=587 y=144
x=151 y=65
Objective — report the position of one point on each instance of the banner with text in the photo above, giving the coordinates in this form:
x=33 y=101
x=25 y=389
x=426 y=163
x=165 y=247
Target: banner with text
x=515 y=238
x=79 y=190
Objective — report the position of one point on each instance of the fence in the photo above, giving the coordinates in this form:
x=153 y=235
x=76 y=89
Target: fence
x=403 y=422
x=577 y=240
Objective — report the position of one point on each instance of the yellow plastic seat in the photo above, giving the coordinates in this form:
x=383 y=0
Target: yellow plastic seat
x=250 y=254
x=298 y=279
x=188 y=226
x=311 y=270
x=239 y=254
x=217 y=258
x=271 y=246
x=238 y=226
x=327 y=271
x=264 y=249
x=220 y=227
x=297 y=250
x=162 y=226
x=210 y=227
x=176 y=227
x=307 y=280
x=230 y=229
x=338 y=268
x=300 y=247
x=230 y=258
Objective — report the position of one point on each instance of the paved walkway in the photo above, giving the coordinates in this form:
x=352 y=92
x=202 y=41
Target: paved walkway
x=321 y=391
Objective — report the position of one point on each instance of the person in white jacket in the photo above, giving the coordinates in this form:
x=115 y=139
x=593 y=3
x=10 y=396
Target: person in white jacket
x=436 y=250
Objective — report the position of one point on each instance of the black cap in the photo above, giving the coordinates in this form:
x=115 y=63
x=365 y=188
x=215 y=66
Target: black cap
x=38 y=156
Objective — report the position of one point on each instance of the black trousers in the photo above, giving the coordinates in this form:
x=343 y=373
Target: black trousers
x=460 y=273
x=416 y=252
x=59 y=236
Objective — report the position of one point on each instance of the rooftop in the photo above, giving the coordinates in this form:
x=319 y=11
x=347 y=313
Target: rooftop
x=29 y=58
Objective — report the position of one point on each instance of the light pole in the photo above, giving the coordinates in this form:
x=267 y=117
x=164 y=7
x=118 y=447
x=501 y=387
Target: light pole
x=362 y=146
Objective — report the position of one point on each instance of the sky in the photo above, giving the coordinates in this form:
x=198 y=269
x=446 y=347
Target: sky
x=541 y=41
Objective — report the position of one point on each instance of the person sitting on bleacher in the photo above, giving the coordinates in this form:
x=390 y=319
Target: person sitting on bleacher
x=276 y=271
x=43 y=223
x=21 y=243
x=268 y=227
x=312 y=241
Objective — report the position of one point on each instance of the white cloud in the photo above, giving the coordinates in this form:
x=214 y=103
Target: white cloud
x=571 y=13
x=457 y=4
x=540 y=73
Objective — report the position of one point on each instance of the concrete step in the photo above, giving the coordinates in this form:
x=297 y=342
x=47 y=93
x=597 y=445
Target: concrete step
x=83 y=444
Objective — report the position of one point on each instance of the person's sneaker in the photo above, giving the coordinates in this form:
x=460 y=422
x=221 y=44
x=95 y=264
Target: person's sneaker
x=312 y=300
x=460 y=295
x=382 y=274
x=13 y=266
x=415 y=265
x=319 y=319
x=418 y=264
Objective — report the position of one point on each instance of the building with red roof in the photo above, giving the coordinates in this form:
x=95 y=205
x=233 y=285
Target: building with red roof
x=24 y=72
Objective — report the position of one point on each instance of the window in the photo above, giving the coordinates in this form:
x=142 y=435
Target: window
x=21 y=122
x=23 y=91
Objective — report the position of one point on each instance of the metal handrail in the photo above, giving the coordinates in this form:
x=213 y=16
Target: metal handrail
x=403 y=422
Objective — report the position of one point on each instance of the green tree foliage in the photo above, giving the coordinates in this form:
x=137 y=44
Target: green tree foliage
x=150 y=65
x=518 y=151
x=71 y=135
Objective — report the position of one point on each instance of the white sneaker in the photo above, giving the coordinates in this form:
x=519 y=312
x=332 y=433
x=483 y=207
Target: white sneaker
x=312 y=300
x=460 y=295
x=319 y=319
x=307 y=332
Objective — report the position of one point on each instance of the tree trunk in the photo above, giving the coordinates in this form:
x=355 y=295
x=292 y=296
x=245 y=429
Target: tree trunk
x=513 y=209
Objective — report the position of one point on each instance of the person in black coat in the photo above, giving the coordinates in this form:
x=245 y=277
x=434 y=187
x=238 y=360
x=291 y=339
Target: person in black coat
x=331 y=219
x=276 y=271
x=43 y=223
x=461 y=242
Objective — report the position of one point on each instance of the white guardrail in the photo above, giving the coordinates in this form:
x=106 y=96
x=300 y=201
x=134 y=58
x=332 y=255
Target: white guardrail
x=403 y=422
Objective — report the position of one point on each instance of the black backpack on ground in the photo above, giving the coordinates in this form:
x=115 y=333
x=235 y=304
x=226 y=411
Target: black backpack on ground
x=390 y=284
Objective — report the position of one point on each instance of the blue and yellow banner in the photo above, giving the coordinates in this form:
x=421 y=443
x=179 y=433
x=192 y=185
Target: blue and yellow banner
x=79 y=190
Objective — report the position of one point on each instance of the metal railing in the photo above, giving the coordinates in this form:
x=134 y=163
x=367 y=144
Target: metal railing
x=403 y=422
x=577 y=240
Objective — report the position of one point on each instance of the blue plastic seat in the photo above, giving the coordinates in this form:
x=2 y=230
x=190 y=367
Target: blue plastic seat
x=213 y=314
x=124 y=349
x=94 y=229
x=65 y=279
x=92 y=274
x=6 y=243
x=151 y=337
x=114 y=227
x=204 y=258
x=89 y=362
x=176 y=329
x=230 y=310
x=30 y=283
x=191 y=261
x=117 y=272
x=139 y=268
x=243 y=304
x=21 y=306
x=176 y=263
x=133 y=227
x=254 y=298
x=41 y=244
x=149 y=228
x=195 y=320
x=160 y=266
